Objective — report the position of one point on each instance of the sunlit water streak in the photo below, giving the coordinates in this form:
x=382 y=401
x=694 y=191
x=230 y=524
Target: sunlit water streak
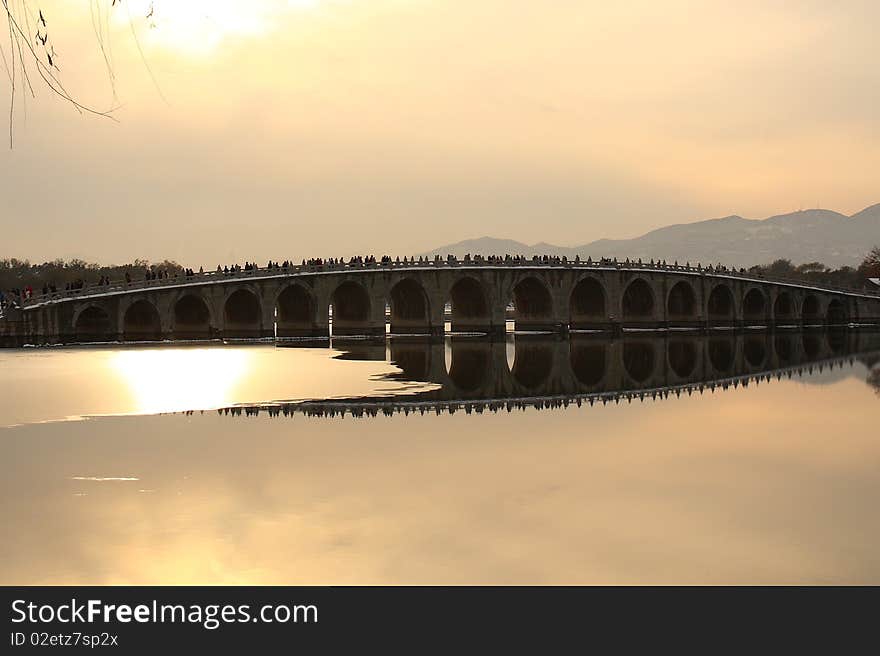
x=49 y=385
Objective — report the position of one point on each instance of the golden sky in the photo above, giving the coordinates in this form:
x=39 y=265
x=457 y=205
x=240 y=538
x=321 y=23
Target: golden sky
x=289 y=128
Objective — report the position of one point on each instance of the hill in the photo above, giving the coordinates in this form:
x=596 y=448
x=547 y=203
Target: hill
x=805 y=236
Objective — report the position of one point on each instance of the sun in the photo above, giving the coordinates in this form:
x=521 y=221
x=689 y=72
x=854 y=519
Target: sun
x=201 y=26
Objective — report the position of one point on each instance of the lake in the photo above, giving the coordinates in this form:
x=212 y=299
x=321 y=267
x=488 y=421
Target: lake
x=728 y=458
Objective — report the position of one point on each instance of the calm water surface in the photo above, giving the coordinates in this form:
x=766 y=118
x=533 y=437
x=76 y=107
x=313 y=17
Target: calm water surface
x=107 y=478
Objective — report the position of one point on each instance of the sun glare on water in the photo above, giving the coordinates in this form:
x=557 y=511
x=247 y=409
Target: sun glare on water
x=180 y=379
x=200 y=26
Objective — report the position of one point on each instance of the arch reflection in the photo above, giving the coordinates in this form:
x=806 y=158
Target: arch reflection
x=532 y=361
x=588 y=361
x=638 y=360
x=473 y=375
x=682 y=356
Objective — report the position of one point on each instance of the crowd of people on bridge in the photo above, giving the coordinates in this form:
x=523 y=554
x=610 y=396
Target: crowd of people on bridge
x=155 y=273
x=14 y=297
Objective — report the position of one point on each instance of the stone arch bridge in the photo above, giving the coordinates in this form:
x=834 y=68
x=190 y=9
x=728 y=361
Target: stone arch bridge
x=422 y=297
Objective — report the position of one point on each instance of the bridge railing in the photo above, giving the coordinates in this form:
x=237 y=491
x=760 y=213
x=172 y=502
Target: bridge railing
x=207 y=277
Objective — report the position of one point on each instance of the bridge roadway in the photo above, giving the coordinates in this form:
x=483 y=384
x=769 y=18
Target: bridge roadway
x=550 y=294
x=475 y=375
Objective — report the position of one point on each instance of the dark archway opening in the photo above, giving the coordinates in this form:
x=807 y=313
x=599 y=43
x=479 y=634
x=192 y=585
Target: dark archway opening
x=409 y=308
x=93 y=325
x=638 y=300
x=192 y=319
x=721 y=354
x=242 y=307
x=682 y=357
x=532 y=305
x=141 y=322
x=754 y=305
x=350 y=309
x=587 y=304
x=296 y=312
x=470 y=311
x=682 y=302
x=638 y=360
x=588 y=362
x=783 y=308
x=836 y=313
x=242 y=313
x=720 y=306
x=810 y=309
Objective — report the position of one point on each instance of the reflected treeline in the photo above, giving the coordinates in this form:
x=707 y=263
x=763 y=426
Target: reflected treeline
x=474 y=375
x=872 y=361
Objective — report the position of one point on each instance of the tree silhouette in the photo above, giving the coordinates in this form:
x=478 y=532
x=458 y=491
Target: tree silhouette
x=870 y=267
x=29 y=58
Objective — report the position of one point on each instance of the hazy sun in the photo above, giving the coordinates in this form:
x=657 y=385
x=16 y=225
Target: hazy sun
x=200 y=26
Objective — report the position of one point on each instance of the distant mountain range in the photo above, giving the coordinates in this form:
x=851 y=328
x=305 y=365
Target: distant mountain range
x=805 y=236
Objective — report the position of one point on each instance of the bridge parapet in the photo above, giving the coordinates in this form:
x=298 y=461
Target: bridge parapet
x=547 y=262
x=434 y=296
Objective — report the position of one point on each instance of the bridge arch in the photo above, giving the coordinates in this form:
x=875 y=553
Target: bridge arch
x=587 y=303
x=533 y=305
x=682 y=357
x=469 y=305
x=351 y=309
x=242 y=313
x=810 y=309
x=192 y=317
x=754 y=306
x=296 y=312
x=783 y=307
x=639 y=360
x=410 y=307
x=93 y=324
x=588 y=361
x=681 y=301
x=721 y=306
x=638 y=301
x=141 y=322
x=836 y=314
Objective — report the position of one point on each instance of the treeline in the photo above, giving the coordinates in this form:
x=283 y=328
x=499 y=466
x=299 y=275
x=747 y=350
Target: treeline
x=19 y=274
x=819 y=274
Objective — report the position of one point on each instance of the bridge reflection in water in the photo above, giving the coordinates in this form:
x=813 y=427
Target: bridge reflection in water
x=539 y=371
